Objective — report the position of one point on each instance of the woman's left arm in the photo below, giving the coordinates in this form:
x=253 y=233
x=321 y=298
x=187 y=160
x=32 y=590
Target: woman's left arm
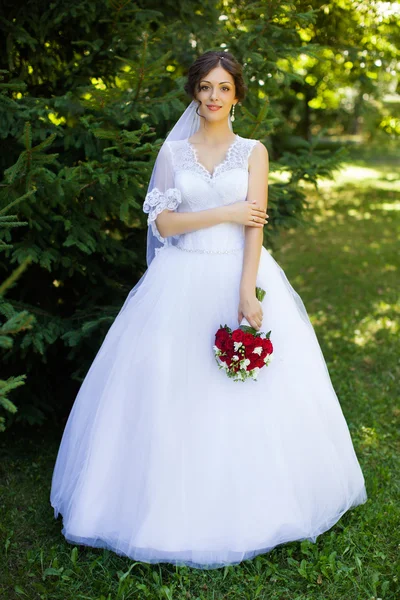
x=249 y=306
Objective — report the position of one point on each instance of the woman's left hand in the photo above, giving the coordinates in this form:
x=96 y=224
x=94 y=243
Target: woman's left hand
x=250 y=308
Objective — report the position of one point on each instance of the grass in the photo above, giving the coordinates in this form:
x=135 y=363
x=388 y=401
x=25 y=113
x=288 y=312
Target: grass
x=344 y=263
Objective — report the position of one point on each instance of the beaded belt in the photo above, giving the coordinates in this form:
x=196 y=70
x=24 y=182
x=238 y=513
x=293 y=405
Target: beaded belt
x=231 y=251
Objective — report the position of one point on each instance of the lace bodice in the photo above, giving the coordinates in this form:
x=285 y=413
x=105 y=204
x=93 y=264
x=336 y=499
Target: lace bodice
x=195 y=188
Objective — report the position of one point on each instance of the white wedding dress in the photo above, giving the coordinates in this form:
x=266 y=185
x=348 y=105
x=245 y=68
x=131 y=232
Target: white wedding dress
x=166 y=459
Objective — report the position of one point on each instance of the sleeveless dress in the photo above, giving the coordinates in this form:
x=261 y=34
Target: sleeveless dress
x=163 y=457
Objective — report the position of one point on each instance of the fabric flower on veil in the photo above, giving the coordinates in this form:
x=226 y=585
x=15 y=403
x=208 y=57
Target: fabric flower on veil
x=243 y=351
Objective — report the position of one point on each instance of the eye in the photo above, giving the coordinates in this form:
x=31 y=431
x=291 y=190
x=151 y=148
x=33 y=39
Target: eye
x=206 y=87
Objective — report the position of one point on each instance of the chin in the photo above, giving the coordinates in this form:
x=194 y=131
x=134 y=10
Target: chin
x=213 y=118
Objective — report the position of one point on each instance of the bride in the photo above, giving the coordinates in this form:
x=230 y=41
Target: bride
x=163 y=457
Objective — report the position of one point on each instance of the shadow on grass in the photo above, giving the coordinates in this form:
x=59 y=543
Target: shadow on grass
x=346 y=267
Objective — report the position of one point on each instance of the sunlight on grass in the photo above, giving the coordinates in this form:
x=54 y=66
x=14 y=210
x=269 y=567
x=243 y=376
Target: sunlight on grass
x=376 y=322
x=278 y=176
x=388 y=268
x=351 y=173
x=359 y=215
x=368 y=436
x=384 y=307
x=386 y=206
x=319 y=318
x=370 y=326
x=363 y=177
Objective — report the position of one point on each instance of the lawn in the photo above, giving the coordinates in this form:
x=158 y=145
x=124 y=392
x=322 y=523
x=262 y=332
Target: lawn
x=344 y=262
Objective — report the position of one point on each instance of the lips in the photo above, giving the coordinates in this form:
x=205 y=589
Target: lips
x=213 y=107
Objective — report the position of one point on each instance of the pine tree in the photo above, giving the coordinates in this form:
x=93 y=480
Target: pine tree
x=14 y=322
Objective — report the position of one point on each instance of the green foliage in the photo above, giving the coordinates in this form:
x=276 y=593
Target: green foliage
x=90 y=91
x=11 y=321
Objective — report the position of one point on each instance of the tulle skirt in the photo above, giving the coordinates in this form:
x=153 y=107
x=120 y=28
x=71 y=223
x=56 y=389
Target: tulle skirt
x=166 y=459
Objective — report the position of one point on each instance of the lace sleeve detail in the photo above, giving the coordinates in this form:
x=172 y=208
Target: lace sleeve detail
x=157 y=201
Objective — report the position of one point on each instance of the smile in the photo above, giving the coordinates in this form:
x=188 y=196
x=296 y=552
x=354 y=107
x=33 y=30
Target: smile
x=213 y=107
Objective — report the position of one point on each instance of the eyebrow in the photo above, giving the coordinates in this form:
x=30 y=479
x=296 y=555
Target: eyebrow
x=219 y=82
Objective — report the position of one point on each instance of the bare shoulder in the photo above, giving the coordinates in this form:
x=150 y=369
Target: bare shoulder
x=259 y=155
x=259 y=149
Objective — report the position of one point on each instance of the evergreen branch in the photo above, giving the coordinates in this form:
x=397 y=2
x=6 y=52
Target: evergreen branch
x=47 y=142
x=11 y=172
x=13 y=86
x=7 y=404
x=118 y=6
x=18 y=322
x=5 y=387
x=93 y=182
x=11 y=383
x=260 y=117
x=28 y=136
x=8 y=220
x=15 y=275
x=6 y=342
x=141 y=68
x=34 y=309
x=10 y=225
x=17 y=201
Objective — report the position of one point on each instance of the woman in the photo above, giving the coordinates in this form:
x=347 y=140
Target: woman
x=164 y=458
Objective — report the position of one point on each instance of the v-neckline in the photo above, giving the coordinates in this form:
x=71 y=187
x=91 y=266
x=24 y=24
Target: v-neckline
x=217 y=166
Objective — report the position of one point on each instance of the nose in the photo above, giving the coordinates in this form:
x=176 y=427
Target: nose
x=214 y=94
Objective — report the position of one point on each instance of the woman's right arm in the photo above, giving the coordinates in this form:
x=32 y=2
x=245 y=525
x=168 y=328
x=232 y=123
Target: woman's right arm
x=170 y=222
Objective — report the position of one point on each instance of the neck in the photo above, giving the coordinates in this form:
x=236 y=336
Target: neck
x=214 y=132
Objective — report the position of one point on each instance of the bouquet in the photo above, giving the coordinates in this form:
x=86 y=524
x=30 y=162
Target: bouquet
x=244 y=351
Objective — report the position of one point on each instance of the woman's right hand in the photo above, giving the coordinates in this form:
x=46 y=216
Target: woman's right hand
x=247 y=213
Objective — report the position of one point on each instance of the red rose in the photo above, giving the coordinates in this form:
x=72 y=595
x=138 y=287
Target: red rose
x=248 y=339
x=228 y=345
x=221 y=334
x=253 y=362
x=267 y=345
x=238 y=335
x=229 y=349
x=221 y=337
x=256 y=344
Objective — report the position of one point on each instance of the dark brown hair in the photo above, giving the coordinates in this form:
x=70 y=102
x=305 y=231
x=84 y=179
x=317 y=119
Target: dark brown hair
x=209 y=60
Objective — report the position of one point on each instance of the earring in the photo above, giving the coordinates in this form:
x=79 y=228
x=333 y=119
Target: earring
x=233 y=113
